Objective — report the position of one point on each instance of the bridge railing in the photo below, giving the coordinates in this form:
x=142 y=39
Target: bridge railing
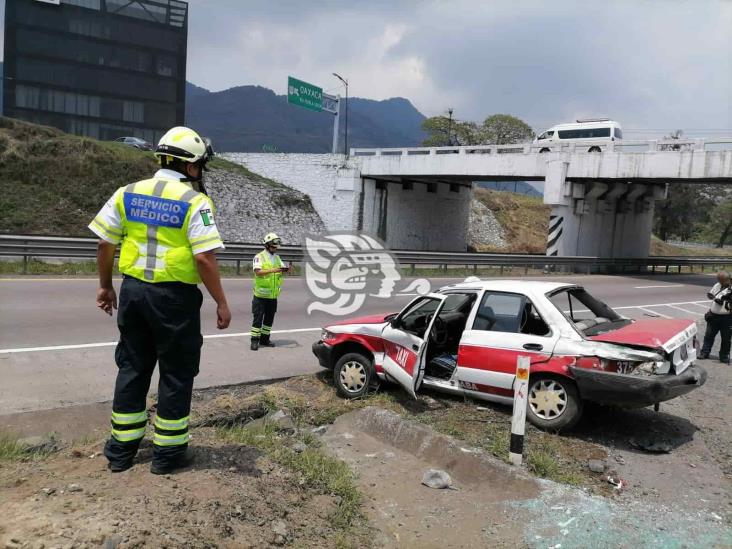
x=637 y=145
x=28 y=247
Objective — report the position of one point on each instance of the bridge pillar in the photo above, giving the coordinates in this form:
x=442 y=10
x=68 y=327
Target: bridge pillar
x=597 y=218
x=415 y=215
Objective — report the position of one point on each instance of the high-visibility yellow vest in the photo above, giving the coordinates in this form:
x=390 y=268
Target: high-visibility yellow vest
x=268 y=286
x=155 y=215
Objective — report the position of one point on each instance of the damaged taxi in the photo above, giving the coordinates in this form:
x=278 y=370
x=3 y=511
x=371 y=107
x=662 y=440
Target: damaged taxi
x=465 y=339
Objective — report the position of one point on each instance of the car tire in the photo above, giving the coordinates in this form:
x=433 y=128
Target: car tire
x=594 y=150
x=353 y=375
x=544 y=150
x=553 y=415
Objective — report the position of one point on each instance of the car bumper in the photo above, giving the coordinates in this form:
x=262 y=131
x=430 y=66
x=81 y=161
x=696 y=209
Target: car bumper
x=324 y=352
x=629 y=390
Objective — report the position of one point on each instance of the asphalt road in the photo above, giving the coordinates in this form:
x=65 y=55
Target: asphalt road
x=57 y=348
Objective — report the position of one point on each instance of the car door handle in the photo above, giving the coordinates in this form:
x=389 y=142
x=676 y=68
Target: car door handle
x=533 y=347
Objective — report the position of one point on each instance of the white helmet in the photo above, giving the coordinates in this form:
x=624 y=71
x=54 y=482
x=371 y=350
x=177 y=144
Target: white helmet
x=272 y=238
x=185 y=144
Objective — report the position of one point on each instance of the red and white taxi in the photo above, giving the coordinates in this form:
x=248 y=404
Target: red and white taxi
x=465 y=339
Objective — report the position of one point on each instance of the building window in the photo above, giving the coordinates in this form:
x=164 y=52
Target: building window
x=431 y=187
x=407 y=185
x=133 y=111
x=454 y=188
x=91 y=4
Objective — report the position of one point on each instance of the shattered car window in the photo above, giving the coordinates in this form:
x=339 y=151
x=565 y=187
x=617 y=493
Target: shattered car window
x=588 y=314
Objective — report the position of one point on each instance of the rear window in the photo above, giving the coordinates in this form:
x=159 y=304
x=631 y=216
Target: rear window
x=588 y=314
x=586 y=133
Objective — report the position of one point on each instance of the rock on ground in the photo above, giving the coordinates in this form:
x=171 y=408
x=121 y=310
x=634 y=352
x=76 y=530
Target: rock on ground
x=483 y=228
x=246 y=209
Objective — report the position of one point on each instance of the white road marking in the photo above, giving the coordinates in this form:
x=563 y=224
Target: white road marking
x=658 y=305
x=641 y=306
x=113 y=343
x=296 y=330
x=654 y=313
x=659 y=286
x=705 y=307
x=685 y=310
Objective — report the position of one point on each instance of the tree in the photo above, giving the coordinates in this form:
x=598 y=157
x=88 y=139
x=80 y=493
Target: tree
x=437 y=129
x=719 y=227
x=687 y=205
x=504 y=129
x=497 y=129
x=462 y=133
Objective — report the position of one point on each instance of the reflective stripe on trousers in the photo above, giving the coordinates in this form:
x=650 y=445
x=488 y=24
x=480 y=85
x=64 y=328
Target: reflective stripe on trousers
x=129 y=427
x=171 y=432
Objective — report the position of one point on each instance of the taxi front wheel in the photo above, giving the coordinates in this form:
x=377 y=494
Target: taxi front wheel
x=553 y=402
x=353 y=375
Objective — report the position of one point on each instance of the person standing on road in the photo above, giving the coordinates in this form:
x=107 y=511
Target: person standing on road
x=168 y=245
x=268 y=268
x=719 y=318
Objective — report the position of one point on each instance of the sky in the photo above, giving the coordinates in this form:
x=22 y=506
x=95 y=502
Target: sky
x=653 y=65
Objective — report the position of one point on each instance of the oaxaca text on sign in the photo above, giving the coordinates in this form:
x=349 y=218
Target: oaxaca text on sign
x=304 y=95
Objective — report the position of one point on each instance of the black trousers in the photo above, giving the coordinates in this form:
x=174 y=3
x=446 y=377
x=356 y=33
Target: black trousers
x=722 y=325
x=263 y=313
x=158 y=323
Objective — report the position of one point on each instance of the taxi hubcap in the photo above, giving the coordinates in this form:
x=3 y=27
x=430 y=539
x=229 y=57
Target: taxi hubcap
x=547 y=399
x=353 y=376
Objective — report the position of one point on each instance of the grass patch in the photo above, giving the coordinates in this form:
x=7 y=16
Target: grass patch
x=316 y=470
x=661 y=248
x=546 y=455
x=12 y=450
x=524 y=220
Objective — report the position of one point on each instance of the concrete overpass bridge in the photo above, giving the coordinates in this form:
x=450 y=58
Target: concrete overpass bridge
x=419 y=198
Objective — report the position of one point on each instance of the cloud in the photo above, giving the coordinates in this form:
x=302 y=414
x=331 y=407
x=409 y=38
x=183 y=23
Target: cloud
x=654 y=65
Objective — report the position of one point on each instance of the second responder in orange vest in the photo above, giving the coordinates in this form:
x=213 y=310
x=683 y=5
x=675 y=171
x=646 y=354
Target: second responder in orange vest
x=168 y=243
x=268 y=268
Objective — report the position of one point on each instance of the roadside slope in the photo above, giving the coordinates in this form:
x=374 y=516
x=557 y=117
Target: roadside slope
x=53 y=183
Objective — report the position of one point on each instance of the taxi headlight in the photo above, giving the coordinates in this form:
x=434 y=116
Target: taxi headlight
x=325 y=335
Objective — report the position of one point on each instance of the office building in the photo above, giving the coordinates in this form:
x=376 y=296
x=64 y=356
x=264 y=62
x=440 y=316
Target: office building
x=98 y=68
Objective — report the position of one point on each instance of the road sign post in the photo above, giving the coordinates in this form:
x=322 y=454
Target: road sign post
x=518 y=421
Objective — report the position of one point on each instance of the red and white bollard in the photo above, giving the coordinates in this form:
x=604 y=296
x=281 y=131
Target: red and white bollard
x=518 y=421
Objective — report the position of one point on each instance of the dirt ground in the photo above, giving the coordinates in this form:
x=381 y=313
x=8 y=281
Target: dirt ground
x=256 y=492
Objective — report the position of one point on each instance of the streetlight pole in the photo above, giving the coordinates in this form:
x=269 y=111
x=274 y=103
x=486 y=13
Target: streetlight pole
x=345 y=83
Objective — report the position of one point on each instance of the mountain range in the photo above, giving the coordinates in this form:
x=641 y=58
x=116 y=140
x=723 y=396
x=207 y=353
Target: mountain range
x=255 y=119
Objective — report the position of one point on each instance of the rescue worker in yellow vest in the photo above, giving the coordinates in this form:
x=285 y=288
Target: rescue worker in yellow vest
x=268 y=268
x=168 y=245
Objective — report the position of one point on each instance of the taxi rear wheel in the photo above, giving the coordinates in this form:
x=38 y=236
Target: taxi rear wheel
x=353 y=375
x=553 y=402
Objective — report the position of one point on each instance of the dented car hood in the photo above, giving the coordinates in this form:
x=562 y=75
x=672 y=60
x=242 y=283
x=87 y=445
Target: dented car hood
x=666 y=334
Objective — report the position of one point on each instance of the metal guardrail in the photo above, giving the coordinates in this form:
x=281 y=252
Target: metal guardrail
x=29 y=246
x=650 y=145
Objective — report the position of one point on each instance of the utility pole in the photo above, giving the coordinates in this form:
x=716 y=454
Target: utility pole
x=449 y=127
x=345 y=83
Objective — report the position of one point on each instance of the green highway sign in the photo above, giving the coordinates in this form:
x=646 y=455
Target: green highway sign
x=304 y=95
